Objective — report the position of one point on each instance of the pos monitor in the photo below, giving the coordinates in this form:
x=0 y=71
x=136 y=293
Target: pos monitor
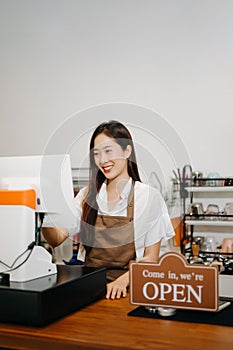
x=51 y=179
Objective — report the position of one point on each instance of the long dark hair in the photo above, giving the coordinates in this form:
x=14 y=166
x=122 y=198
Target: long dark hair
x=122 y=136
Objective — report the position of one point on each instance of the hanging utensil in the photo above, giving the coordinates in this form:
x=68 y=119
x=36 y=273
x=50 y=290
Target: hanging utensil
x=187 y=175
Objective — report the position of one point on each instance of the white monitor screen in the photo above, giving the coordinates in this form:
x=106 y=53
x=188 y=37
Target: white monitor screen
x=50 y=176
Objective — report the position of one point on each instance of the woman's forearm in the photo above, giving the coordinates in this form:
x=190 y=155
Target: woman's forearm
x=54 y=236
x=151 y=253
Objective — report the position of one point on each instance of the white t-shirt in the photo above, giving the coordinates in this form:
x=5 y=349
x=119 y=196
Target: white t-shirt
x=151 y=219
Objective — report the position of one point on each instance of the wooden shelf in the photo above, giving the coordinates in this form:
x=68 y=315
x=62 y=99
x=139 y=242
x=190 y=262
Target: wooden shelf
x=209 y=222
x=210 y=189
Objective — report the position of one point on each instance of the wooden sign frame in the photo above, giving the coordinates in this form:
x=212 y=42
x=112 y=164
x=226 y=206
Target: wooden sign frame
x=173 y=282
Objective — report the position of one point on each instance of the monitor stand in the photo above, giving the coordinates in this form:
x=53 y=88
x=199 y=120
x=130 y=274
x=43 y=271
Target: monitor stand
x=38 y=263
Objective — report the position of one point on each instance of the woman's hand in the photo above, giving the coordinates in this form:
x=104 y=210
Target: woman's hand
x=227 y=245
x=118 y=288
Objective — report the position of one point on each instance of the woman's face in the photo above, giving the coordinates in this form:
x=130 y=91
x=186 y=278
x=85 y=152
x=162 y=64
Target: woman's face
x=110 y=158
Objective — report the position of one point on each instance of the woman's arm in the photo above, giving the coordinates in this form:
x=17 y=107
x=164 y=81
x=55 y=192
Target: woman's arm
x=151 y=253
x=55 y=236
x=118 y=288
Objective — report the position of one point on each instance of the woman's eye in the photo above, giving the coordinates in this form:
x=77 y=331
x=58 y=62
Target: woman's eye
x=108 y=150
x=96 y=154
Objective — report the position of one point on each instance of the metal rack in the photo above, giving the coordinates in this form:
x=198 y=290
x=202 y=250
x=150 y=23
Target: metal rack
x=190 y=187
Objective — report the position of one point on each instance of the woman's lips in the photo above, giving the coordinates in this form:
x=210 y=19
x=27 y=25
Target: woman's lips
x=107 y=169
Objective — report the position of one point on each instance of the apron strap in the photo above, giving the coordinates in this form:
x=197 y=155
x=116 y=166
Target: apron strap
x=130 y=205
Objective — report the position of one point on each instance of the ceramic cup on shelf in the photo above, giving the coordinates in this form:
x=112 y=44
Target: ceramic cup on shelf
x=209 y=244
x=212 y=181
x=212 y=209
x=228 y=210
x=195 y=209
x=197 y=178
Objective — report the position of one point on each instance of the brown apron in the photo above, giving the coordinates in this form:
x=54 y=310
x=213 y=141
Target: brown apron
x=113 y=246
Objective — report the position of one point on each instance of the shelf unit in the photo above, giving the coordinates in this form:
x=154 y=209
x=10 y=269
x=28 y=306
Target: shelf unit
x=204 y=220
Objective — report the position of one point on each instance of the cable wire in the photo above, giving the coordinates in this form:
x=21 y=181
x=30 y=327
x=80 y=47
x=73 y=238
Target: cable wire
x=11 y=267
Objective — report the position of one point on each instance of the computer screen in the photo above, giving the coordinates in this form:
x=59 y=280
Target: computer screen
x=50 y=176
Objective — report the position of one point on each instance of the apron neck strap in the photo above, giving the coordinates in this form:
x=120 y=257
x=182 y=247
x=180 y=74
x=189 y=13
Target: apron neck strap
x=130 y=206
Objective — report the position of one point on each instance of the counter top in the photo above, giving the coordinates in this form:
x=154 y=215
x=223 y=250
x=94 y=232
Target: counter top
x=106 y=325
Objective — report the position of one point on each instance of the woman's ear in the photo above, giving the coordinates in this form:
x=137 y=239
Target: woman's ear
x=128 y=151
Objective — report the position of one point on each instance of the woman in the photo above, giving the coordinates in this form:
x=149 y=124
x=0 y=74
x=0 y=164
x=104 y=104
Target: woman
x=119 y=218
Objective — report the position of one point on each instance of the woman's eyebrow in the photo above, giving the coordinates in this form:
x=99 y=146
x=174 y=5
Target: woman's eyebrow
x=98 y=148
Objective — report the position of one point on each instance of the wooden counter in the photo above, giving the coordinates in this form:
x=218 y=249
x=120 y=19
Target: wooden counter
x=106 y=325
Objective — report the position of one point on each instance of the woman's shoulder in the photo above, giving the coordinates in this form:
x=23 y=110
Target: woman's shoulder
x=141 y=186
x=148 y=198
x=144 y=193
x=81 y=194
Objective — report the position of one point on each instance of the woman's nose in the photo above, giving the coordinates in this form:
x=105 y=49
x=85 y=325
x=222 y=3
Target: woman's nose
x=103 y=158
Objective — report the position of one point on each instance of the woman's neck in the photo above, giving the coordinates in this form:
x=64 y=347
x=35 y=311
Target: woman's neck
x=118 y=184
x=114 y=189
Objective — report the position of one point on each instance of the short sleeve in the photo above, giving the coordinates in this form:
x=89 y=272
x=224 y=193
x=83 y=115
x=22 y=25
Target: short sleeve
x=160 y=229
x=78 y=208
x=48 y=222
x=161 y=226
x=152 y=222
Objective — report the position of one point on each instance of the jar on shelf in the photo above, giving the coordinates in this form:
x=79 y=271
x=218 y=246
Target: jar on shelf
x=213 y=181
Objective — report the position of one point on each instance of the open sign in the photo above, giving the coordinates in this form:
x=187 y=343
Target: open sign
x=174 y=283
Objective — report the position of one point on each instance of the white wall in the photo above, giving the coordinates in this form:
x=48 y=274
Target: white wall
x=173 y=57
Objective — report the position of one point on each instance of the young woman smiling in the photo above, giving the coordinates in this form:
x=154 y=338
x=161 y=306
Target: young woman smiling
x=119 y=219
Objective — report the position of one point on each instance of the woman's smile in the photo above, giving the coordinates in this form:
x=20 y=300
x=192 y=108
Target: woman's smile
x=107 y=168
